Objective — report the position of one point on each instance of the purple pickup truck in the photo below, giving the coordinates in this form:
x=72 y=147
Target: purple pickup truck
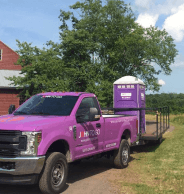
x=50 y=130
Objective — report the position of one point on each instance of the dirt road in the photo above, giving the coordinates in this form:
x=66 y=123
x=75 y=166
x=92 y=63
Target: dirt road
x=89 y=177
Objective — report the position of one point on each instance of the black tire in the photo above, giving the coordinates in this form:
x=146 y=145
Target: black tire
x=122 y=155
x=53 y=182
x=159 y=141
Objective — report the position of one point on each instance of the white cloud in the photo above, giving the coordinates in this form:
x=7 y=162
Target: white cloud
x=165 y=7
x=146 y=20
x=179 y=61
x=168 y=6
x=143 y=3
x=178 y=64
x=174 y=24
x=150 y=12
x=161 y=82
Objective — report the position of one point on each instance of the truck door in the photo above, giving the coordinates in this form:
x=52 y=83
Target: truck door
x=89 y=134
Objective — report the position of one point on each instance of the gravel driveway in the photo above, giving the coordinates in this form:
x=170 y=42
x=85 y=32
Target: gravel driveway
x=89 y=177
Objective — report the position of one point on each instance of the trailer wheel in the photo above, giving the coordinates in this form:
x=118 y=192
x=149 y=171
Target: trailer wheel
x=122 y=155
x=159 y=141
x=54 y=175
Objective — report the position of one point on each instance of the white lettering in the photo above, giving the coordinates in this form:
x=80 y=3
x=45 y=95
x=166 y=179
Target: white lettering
x=89 y=139
x=89 y=133
x=86 y=134
x=110 y=145
x=126 y=94
x=88 y=149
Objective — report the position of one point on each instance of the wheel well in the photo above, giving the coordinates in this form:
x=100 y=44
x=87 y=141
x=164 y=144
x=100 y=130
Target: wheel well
x=59 y=146
x=126 y=135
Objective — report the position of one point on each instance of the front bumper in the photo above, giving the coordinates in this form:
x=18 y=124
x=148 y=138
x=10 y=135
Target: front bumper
x=20 y=169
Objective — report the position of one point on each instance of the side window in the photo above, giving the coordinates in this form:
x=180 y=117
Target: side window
x=84 y=107
x=87 y=103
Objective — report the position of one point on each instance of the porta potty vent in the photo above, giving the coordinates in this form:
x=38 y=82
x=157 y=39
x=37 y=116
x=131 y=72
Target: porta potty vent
x=129 y=92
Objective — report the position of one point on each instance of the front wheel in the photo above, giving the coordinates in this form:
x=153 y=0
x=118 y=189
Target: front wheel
x=122 y=155
x=54 y=176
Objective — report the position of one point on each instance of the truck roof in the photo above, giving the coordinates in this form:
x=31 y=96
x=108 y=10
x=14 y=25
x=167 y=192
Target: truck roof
x=65 y=93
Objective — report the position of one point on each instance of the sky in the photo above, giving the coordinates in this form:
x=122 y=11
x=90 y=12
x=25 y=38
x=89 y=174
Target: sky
x=37 y=22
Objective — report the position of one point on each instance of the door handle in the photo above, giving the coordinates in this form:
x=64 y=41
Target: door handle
x=98 y=125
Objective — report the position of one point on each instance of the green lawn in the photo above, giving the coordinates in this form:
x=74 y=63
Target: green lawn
x=160 y=167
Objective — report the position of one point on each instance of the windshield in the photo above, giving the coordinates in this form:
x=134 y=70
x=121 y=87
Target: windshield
x=48 y=105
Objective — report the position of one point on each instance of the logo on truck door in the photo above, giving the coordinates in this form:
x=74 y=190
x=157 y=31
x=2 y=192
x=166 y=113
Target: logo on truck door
x=89 y=133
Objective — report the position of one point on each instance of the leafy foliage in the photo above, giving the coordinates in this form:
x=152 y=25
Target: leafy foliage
x=174 y=101
x=43 y=69
x=107 y=38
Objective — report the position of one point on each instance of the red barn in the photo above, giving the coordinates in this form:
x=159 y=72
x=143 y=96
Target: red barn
x=8 y=93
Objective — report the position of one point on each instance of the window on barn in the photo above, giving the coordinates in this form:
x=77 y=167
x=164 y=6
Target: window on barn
x=1 y=52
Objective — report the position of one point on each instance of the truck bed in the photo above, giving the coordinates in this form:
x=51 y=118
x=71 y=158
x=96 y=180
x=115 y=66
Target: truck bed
x=153 y=129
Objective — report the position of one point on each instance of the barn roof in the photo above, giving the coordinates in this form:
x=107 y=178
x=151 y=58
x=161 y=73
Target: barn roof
x=4 y=83
x=1 y=42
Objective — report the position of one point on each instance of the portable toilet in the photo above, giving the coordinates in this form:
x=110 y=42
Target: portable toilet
x=129 y=92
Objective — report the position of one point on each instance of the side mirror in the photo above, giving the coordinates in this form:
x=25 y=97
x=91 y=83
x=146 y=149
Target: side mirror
x=11 y=109
x=94 y=114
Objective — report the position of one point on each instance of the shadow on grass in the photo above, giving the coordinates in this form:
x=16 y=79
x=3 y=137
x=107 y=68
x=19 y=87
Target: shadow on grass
x=149 y=147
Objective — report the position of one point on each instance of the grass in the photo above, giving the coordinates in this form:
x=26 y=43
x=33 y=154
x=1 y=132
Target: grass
x=178 y=119
x=160 y=167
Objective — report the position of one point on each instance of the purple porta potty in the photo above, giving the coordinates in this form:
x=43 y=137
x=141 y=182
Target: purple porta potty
x=129 y=92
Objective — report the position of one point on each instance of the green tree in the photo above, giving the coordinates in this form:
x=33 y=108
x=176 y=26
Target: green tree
x=105 y=43
x=43 y=69
x=173 y=100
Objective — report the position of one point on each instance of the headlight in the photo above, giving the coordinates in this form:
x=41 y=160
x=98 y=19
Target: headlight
x=33 y=140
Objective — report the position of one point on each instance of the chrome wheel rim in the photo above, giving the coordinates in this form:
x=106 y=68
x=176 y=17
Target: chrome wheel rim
x=125 y=155
x=58 y=174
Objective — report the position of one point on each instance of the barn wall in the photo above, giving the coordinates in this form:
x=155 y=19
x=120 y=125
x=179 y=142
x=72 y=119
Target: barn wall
x=8 y=97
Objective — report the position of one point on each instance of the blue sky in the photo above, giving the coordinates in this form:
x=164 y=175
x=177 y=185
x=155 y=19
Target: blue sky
x=37 y=22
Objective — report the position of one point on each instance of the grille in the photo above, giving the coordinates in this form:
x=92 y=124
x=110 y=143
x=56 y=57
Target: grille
x=8 y=153
x=11 y=143
x=10 y=133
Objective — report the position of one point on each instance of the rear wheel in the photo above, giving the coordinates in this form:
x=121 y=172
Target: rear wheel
x=54 y=176
x=122 y=155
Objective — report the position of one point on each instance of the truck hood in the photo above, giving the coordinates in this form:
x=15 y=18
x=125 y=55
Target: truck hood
x=28 y=122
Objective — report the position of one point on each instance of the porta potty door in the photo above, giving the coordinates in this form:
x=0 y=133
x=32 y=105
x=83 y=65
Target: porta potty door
x=125 y=96
x=129 y=92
